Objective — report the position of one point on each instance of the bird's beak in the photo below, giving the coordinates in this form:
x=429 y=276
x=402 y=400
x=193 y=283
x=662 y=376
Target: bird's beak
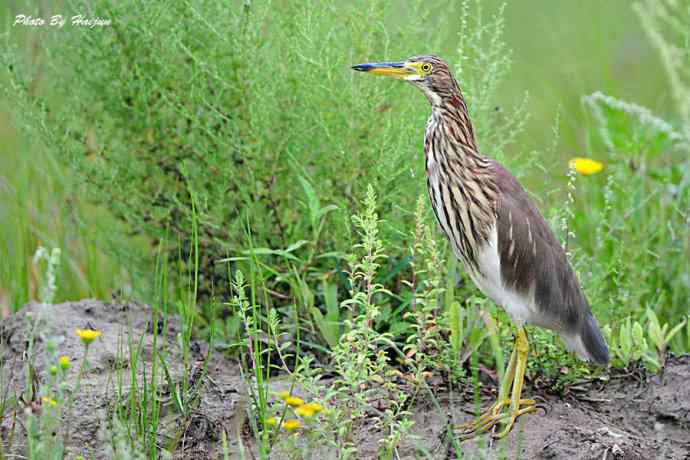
x=390 y=69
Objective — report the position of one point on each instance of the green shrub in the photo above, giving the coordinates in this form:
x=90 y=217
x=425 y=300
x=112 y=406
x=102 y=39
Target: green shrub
x=253 y=110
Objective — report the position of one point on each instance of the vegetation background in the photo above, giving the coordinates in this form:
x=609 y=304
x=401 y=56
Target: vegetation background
x=190 y=140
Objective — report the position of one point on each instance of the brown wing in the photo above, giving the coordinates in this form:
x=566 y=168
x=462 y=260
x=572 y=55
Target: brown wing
x=532 y=258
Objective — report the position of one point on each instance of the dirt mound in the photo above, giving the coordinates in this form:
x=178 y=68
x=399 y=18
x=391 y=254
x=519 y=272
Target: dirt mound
x=127 y=328
x=632 y=416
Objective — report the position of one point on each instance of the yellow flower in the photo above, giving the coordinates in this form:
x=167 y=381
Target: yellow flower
x=271 y=421
x=585 y=166
x=64 y=362
x=49 y=401
x=304 y=411
x=292 y=424
x=283 y=395
x=314 y=408
x=88 y=335
x=294 y=401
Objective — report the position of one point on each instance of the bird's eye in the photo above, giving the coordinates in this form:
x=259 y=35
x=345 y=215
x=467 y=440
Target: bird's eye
x=426 y=67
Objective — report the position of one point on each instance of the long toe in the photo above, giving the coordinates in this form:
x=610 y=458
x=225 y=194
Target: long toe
x=488 y=415
x=483 y=425
x=512 y=417
x=498 y=414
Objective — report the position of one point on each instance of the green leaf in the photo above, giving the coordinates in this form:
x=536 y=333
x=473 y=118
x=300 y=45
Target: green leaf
x=307 y=295
x=329 y=325
x=639 y=342
x=274 y=252
x=323 y=211
x=398 y=328
x=456 y=315
x=313 y=202
x=674 y=331
x=652 y=362
x=330 y=294
x=296 y=246
x=625 y=340
x=655 y=331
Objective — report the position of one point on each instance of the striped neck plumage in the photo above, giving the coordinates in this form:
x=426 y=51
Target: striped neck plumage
x=450 y=115
x=460 y=179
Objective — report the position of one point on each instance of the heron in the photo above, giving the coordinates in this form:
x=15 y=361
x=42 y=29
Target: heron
x=496 y=230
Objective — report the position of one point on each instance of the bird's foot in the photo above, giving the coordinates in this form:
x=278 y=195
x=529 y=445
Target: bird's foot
x=512 y=416
x=494 y=416
x=491 y=413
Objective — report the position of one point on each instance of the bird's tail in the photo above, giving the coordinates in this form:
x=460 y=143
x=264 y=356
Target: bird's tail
x=593 y=342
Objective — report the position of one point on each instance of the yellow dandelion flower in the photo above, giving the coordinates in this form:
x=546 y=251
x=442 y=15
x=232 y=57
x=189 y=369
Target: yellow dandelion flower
x=292 y=424
x=49 y=401
x=305 y=411
x=64 y=362
x=314 y=407
x=585 y=166
x=294 y=401
x=88 y=335
x=271 y=421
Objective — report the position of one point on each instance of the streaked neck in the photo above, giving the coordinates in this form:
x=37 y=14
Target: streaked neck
x=452 y=113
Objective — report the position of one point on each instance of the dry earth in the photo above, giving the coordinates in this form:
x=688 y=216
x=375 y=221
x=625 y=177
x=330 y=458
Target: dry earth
x=633 y=416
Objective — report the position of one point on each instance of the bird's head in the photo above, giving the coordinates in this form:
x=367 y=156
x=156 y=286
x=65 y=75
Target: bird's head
x=429 y=73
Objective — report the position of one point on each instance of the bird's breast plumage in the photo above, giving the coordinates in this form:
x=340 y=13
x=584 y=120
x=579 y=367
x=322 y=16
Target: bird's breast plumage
x=464 y=201
x=463 y=206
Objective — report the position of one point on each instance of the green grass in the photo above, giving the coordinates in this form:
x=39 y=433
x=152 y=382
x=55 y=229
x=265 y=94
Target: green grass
x=213 y=170
x=40 y=207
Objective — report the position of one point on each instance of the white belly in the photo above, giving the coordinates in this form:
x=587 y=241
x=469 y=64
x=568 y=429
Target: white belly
x=520 y=307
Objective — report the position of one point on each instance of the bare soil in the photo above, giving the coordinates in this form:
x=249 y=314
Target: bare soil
x=632 y=416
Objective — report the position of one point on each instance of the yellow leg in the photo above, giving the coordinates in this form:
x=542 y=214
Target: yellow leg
x=522 y=347
x=501 y=401
x=512 y=379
